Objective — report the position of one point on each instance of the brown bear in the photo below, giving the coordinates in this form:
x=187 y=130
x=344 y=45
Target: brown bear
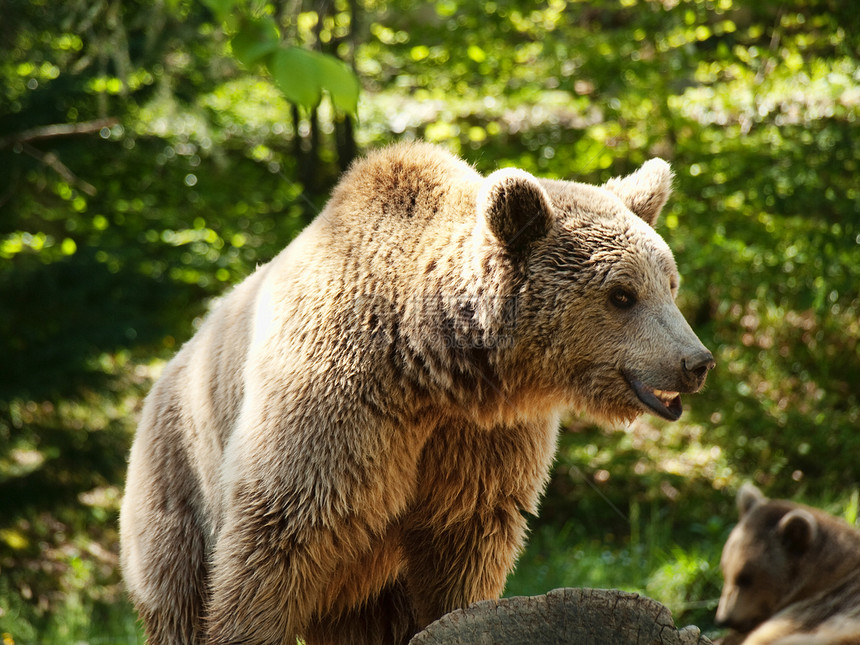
x=792 y=575
x=346 y=448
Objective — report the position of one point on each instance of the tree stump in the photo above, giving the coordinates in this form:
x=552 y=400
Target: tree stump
x=561 y=617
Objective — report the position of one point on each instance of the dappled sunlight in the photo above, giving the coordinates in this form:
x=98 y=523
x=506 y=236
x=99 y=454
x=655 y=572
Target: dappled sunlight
x=63 y=540
x=152 y=159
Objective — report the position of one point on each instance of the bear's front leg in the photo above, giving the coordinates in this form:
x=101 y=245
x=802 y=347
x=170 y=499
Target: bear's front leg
x=466 y=528
x=301 y=507
x=268 y=573
x=453 y=566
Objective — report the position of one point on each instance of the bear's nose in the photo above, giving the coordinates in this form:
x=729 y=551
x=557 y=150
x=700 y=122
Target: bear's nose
x=696 y=367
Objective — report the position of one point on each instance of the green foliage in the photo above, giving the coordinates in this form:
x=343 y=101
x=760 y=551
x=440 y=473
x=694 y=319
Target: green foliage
x=301 y=74
x=256 y=40
x=145 y=172
x=687 y=580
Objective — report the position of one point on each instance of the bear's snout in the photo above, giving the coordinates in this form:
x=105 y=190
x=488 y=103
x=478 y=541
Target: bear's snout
x=695 y=368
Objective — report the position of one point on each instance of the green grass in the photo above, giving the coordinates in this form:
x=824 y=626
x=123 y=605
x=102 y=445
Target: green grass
x=684 y=578
x=686 y=581
x=679 y=568
x=76 y=621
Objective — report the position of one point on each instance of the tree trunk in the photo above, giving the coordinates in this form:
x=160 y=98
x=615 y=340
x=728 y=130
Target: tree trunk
x=562 y=617
x=345 y=138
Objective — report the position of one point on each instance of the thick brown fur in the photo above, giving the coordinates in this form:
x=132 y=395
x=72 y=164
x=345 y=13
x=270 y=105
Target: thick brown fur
x=346 y=448
x=792 y=575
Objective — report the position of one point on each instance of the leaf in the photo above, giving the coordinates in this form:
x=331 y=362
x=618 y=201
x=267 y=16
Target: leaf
x=340 y=82
x=221 y=8
x=256 y=39
x=476 y=54
x=302 y=75
x=296 y=73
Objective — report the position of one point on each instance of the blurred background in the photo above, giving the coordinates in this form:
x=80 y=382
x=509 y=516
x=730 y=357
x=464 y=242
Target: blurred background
x=152 y=153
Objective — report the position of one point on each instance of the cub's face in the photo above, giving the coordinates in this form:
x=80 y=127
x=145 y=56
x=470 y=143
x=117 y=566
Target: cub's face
x=762 y=558
x=597 y=319
x=755 y=579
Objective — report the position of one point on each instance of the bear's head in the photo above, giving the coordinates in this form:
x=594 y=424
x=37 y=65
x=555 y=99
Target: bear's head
x=762 y=559
x=596 y=321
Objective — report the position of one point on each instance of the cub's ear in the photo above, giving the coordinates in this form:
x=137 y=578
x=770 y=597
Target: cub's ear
x=515 y=207
x=798 y=529
x=646 y=190
x=748 y=497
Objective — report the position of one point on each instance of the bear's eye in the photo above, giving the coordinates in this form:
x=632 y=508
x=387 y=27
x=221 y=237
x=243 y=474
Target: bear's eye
x=622 y=298
x=744 y=579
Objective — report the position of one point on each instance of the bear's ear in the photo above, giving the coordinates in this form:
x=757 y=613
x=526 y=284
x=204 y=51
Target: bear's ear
x=515 y=207
x=646 y=190
x=798 y=529
x=748 y=497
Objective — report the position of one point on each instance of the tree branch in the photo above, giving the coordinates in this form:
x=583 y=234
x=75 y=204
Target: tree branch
x=57 y=130
x=21 y=142
x=53 y=161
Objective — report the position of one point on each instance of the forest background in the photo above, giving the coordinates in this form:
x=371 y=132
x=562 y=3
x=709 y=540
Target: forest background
x=150 y=158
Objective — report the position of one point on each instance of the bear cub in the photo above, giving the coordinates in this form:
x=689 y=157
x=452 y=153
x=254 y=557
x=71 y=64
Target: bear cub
x=792 y=575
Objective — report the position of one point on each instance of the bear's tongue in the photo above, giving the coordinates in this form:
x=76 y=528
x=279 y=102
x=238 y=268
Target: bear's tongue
x=665 y=404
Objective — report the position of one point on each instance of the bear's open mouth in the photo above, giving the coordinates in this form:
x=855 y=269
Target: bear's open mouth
x=664 y=403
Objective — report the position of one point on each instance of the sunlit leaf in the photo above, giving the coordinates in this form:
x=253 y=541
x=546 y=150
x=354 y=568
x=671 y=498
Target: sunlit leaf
x=14 y=539
x=476 y=54
x=255 y=40
x=419 y=52
x=220 y=7
x=340 y=82
x=69 y=246
x=296 y=72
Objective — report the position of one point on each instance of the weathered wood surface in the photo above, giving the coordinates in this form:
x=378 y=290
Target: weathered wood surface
x=562 y=617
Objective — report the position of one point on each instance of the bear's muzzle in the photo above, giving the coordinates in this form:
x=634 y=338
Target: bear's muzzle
x=694 y=370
